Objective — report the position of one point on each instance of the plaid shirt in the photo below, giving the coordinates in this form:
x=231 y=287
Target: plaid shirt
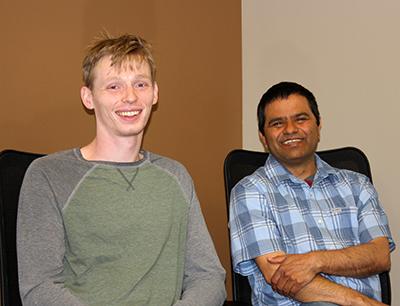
x=272 y=210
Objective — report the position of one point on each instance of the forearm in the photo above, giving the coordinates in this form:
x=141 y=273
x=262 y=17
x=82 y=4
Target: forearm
x=356 y=261
x=321 y=289
x=316 y=288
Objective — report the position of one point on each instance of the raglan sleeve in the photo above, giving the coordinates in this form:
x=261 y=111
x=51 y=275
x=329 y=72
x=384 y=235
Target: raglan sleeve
x=41 y=243
x=204 y=276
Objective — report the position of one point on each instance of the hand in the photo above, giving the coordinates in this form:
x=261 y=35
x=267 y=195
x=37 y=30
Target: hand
x=294 y=273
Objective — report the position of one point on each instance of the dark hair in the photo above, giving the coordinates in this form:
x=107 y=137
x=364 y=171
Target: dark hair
x=282 y=91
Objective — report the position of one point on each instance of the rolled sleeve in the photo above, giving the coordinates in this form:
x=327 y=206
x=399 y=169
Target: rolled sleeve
x=253 y=228
x=373 y=222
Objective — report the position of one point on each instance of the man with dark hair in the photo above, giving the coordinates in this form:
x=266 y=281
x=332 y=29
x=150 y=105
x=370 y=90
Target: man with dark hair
x=302 y=231
x=110 y=223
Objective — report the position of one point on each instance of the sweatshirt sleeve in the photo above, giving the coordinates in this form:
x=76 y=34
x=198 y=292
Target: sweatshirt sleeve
x=41 y=243
x=204 y=277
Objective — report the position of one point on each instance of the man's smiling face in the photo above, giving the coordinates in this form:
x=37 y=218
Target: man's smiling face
x=121 y=97
x=291 y=132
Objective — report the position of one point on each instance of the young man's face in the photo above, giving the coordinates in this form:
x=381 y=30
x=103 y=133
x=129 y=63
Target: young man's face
x=291 y=131
x=121 y=97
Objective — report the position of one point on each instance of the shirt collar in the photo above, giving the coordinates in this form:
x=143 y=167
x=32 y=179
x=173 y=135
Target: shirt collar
x=277 y=173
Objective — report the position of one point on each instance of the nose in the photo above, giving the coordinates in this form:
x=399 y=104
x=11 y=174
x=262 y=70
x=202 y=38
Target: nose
x=129 y=95
x=291 y=127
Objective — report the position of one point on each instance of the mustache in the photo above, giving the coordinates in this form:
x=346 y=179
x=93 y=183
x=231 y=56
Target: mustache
x=291 y=137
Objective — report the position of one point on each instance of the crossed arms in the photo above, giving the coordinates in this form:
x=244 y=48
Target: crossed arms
x=298 y=275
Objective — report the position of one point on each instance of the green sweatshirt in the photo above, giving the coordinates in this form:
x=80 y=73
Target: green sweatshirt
x=104 y=234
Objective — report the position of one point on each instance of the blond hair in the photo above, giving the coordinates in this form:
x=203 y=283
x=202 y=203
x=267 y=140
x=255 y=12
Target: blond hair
x=121 y=49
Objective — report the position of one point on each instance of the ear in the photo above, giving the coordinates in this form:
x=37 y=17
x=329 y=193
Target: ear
x=263 y=140
x=155 y=93
x=87 y=97
x=319 y=128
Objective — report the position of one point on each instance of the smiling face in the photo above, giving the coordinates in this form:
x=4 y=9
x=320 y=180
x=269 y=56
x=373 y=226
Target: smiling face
x=291 y=132
x=121 y=97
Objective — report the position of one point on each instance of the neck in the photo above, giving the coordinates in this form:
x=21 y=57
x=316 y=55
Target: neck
x=114 y=150
x=303 y=170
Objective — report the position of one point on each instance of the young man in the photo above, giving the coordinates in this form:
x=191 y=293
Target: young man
x=301 y=230
x=110 y=223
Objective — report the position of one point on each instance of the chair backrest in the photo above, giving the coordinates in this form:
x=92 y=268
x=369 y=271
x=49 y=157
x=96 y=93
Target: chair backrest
x=13 y=165
x=240 y=163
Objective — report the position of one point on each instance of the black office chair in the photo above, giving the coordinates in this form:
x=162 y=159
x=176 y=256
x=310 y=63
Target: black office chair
x=240 y=163
x=13 y=165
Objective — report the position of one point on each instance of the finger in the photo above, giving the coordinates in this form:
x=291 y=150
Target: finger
x=275 y=277
x=284 y=285
x=290 y=288
x=279 y=279
x=294 y=289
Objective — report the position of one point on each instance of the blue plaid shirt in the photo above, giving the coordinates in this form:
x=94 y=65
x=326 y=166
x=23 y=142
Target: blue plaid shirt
x=272 y=210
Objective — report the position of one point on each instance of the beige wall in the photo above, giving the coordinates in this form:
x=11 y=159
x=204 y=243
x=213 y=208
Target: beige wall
x=347 y=53
x=198 y=51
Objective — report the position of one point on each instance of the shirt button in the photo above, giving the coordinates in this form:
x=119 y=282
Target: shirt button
x=320 y=221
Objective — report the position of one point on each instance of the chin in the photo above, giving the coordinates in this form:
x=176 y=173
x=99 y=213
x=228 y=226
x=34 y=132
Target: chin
x=132 y=133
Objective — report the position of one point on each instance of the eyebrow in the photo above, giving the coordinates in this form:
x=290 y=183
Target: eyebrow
x=302 y=114
x=273 y=120
x=116 y=78
x=284 y=118
x=143 y=76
